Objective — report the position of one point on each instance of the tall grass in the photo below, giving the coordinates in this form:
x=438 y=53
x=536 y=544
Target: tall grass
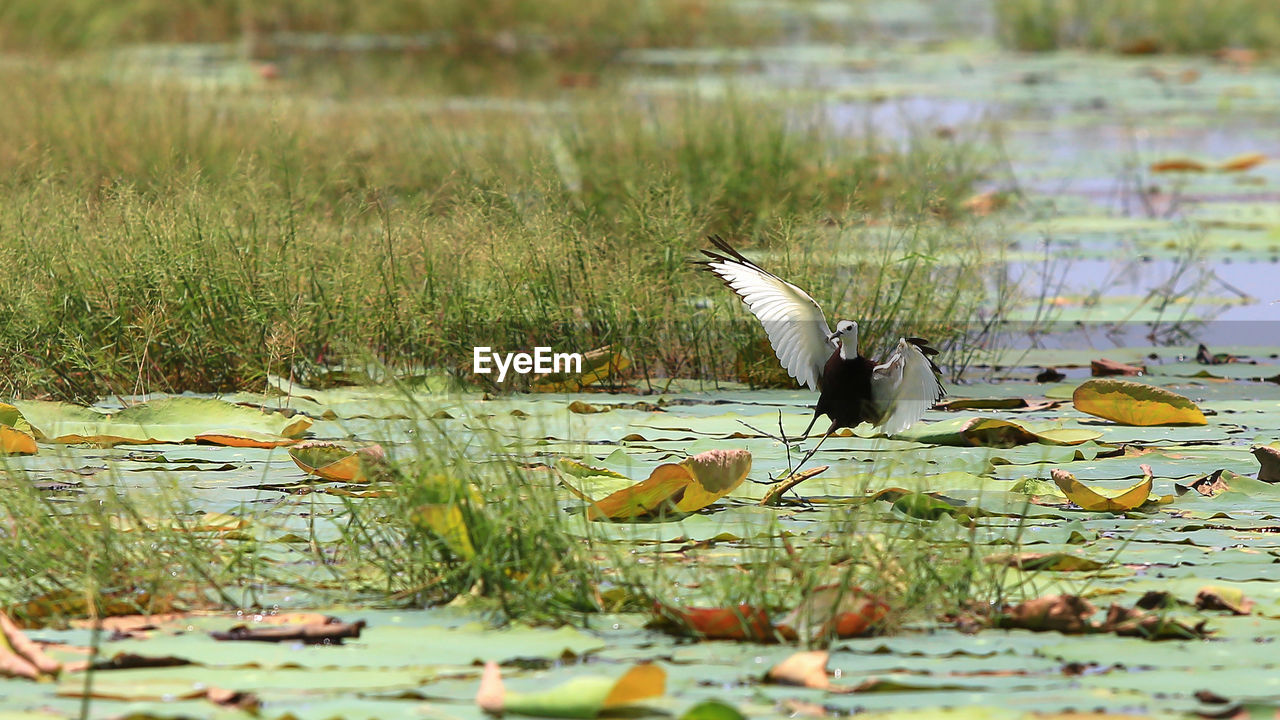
x=1177 y=26
x=505 y=541
x=595 y=29
x=920 y=569
x=499 y=539
x=159 y=240
x=112 y=552
x=531 y=554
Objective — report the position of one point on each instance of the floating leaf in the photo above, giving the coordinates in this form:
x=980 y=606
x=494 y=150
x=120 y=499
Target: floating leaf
x=1243 y=162
x=212 y=522
x=924 y=506
x=1105 y=367
x=244 y=439
x=599 y=366
x=1212 y=597
x=1133 y=622
x=1211 y=485
x=16 y=442
x=827 y=611
x=168 y=420
x=742 y=622
x=1046 y=490
x=1178 y=165
x=20 y=657
x=663 y=487
x=992 y=432
x=1063 y=613
x=685 y=487
x=581 y=697
x=1268 y=461
x=16 y=435
x=1098 y=500
x=712 y=710
x=832 y=611
x=238 y=699
x=1133 y=403
x=1054 y=561
x=327 y=631
x=715 y=473
x=805 y=669
x=581 y=408
x=337 y=463
x=582 y=470
x=1010 y=403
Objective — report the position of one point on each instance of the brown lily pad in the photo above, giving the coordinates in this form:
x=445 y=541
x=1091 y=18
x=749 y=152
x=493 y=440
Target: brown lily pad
x=333 y=632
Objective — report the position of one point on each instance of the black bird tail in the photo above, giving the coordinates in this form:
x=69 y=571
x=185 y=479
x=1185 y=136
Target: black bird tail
x=728 y=254
x=928 y=353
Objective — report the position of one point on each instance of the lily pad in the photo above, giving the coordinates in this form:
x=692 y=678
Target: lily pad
x=168 y=420
x=1133 y=403
x=992 y=432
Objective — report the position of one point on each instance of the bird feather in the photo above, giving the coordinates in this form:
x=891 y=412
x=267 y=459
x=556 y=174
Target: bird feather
x=793 y=322
x=905 y=386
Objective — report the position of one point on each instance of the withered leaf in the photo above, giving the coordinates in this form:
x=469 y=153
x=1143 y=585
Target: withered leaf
x=1132 y=622
x=805 y=669
x=1230 y=599
x=1063 y=613
x=1269 y=460
x=1105 y=367
x=313 y=634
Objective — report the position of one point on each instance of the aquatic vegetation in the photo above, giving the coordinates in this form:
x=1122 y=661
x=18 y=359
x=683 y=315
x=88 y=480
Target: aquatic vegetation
x=320 y=228
x=474 y=508
x=203 y=241
x=451 y=27
x=1139 y=27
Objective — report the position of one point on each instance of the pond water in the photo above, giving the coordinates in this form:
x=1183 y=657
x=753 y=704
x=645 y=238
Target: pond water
x=1124 y=255
x=1077 y=136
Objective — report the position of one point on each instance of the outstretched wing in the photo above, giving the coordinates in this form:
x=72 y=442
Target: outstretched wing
x=906 y=385
x=796 y=327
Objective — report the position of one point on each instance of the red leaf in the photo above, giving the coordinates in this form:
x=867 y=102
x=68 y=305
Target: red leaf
x=1105 y=367
x=743 y=622
x=833 y=610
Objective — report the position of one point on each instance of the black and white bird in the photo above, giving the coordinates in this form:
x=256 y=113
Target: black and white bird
x=893 y=395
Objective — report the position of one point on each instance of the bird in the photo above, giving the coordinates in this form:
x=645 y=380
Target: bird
x=892 y=395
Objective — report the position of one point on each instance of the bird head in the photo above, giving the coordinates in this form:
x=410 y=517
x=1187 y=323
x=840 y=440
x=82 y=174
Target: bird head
x=847 y=333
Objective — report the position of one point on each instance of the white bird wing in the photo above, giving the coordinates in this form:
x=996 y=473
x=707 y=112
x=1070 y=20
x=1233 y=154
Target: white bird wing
x=904 y=387
x=796 y=327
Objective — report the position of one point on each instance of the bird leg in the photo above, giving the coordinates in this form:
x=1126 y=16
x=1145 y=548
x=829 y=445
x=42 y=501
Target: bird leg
x=811 y=422
x=785 y=443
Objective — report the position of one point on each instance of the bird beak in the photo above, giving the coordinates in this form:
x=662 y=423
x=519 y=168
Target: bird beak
x=832 y=337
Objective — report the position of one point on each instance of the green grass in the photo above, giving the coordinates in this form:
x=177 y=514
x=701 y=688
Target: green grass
x=119 y=550
x=114 y=553
x=560 y=27
x=522 y=556
x=921 y=572
x=165 y=238
x=162 y=240
x=1174 y=26
x=124 y=547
